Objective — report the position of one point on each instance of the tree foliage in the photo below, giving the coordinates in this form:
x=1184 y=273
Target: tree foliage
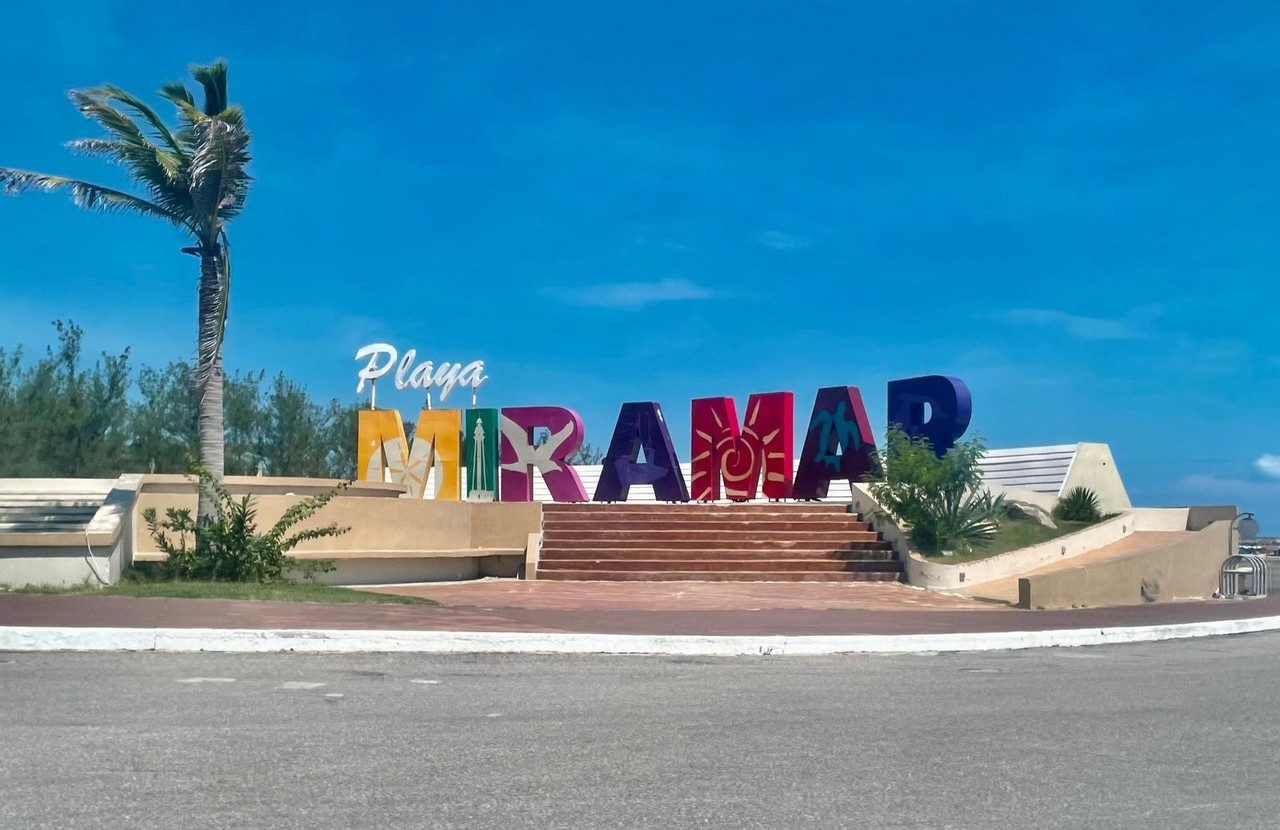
x=587 y=454
x=941 y=501
x=59 y=417
x=62 y=418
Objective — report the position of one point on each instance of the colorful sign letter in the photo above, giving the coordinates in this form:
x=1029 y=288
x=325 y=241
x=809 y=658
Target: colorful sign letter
x=384 y=453
x=641 y=428
x=765 y=443
x=480 y=437
x=520 y=456
x=382 y=450
x=838 y=444
x=437 y=445
x=950 y=404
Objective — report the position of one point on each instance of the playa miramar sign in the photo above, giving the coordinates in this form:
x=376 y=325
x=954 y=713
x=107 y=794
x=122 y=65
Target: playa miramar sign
x=739 y=458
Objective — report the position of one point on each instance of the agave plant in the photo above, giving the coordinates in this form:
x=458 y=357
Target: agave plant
x=1080 y=504
x=940 y=500
x=192 y=176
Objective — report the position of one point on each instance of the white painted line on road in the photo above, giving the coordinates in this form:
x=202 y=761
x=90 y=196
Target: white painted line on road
x=426 y=682
x=34 y=638
x=206 y=680
x=294 y=686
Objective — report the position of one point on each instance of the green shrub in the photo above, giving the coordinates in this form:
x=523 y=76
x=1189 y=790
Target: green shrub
x=231 y=548
x=941 y=501
x=1078 y=505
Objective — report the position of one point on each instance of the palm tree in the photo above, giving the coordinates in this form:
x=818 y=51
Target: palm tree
x=193 y=177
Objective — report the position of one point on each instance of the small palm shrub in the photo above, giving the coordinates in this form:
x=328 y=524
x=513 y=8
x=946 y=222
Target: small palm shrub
x=230 y=548
x=940 y=500
x=1080 y=504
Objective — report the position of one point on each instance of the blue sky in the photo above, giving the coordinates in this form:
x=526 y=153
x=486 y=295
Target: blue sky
x=1071 y=206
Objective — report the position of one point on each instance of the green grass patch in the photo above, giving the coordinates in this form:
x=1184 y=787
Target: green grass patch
x=274 y=592
x=1014 y=534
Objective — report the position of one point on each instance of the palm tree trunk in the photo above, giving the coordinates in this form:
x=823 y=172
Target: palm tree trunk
x=209 y=369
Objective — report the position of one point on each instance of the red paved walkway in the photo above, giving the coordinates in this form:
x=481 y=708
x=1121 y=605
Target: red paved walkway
x=764 y=610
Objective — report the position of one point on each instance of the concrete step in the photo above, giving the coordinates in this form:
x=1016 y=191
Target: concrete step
x=677 y=536
x=49 y=510
x=727 y=565
x=40 y=512
x=715 y=576
x=883 y=551
x=838 y=524
x=706 y=542
x=724 y=542
x=17 y=501
x=43 y=527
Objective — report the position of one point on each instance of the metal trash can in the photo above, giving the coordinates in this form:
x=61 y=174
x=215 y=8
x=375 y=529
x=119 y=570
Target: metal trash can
x=1244 y=576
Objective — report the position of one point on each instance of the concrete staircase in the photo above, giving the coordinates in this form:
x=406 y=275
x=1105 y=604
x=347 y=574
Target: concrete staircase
x=50 y=505
x=714 y=543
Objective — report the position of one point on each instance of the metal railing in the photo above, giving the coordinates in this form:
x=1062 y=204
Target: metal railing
x=1244 y=575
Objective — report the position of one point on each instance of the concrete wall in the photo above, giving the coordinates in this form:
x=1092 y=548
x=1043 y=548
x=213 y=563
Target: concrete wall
x=1201 y=517
x=1183 y=570
x=268 y=486
x=939 y=575
x=63 y=564
x=872 y=511
x=100 y=551
x=390 y=539
x=1094 y=467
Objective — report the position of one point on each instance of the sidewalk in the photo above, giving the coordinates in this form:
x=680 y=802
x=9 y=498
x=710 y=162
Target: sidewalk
x=680 y=609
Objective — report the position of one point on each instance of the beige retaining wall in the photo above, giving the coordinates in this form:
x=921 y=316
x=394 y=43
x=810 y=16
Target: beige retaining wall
x=1183 y=570
x=937 y=575
x=391 y=539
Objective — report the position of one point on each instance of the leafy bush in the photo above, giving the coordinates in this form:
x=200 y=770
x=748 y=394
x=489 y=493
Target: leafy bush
x=1078 y=505
x=941 y=501
x=230 y=548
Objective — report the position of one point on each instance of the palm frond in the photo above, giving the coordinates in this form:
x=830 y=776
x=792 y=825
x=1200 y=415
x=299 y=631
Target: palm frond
x=218 y=179
x=121 y=126
x=115 y=93
x=225 y=299
x=214 y=80
x=189 y=115
x=234 y=116
x=177 y=93
x=87 y=195
x=97 y=148
x=157 y=169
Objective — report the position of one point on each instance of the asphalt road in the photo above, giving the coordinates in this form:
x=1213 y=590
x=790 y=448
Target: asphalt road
x=1170 y=736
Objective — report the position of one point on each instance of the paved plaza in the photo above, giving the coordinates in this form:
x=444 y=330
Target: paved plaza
x=756 y=609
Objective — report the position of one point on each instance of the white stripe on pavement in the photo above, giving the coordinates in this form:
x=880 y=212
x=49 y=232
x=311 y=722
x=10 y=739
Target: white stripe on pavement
x=33 y=638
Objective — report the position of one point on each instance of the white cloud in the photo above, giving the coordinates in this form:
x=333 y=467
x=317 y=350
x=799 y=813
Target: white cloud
x=1268 y=465
x=1134 y=325
x=1246 y=492
x=780 y=241
x=630 y=295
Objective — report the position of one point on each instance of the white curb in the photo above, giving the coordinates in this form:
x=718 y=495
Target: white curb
x=237 y=640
